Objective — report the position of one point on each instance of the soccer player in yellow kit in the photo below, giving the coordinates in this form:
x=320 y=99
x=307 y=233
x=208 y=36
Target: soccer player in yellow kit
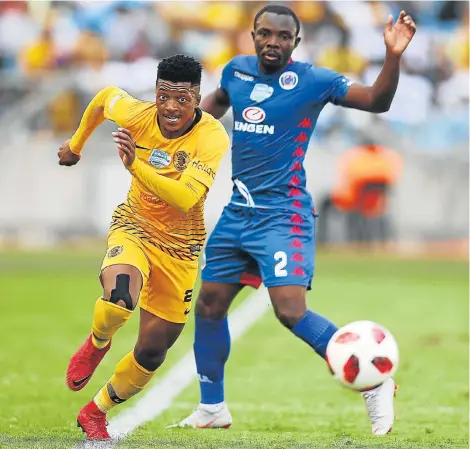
x=173 y=150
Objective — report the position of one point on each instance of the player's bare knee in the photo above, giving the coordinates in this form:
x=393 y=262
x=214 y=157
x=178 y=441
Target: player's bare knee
x=289 y=311
x=120 y=294
x=287 y=317
x=289 y=303
x=149 y=357
x=211 y=312
x=209 y=305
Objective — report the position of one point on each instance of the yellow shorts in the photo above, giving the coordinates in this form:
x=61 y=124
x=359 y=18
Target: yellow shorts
x=167 y=282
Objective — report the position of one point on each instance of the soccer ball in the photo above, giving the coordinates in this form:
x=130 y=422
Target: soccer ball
x=362 y=355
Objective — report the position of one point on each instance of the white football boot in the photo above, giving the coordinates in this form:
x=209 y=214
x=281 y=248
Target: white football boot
x=208 y=417
x=379 y=403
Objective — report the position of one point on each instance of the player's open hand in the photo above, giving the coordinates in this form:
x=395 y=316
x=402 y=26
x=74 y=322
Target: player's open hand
x=66 y=157
x=398 y=36
x=125 y=145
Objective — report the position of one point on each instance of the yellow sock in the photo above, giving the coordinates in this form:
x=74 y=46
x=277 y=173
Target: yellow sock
x=129 y=378
x=107 y=319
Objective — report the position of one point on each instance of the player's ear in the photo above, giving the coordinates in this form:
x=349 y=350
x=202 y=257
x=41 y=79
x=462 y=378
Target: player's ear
x=253 y=35
x=297 y=41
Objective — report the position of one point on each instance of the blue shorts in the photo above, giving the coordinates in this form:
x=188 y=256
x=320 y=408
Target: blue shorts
x=251 y=245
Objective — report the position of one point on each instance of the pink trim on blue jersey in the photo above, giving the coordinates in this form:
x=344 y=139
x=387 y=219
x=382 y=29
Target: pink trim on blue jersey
x=274 y=118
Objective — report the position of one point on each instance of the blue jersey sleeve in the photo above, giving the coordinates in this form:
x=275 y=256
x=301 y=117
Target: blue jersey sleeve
x=329 y=86
x=227 y=74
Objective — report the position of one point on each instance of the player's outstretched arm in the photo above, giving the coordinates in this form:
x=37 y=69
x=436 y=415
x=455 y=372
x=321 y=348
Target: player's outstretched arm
x=378 y=98
x=109 y=103
x=91 y=119
x=216 y=103
x=182 y=194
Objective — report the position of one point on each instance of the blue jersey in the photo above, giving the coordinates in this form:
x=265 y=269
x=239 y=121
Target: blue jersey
x=274 y=118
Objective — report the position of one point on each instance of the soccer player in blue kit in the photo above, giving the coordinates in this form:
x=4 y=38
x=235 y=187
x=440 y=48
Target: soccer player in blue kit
x=267 y=231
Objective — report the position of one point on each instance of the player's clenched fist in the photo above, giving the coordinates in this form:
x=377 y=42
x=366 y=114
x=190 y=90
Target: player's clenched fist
x=66 y=157
x=126 y=145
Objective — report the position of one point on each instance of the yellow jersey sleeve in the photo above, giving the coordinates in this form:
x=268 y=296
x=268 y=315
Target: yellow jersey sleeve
x=109 y=103
x=120 y=107
x=213 y=143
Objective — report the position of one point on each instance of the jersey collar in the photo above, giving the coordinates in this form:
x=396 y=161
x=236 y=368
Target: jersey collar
x=274 y=75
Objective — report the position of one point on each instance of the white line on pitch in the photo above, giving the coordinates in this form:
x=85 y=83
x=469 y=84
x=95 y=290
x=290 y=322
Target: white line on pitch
x=160 y=397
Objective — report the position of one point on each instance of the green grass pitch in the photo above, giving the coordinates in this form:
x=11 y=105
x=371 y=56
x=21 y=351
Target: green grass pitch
x=280 y=394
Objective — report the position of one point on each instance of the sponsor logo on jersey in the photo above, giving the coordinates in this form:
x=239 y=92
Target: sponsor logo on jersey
x=153 y=199
x=243 y=76
x=254 y=114
x=261 y=92
x=198 y=165
x=288 y=80
x=159 y=158
x=252 y=128
x=181 y=160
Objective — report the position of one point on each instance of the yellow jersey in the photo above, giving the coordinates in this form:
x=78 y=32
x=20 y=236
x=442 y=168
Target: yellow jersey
x=197 y=153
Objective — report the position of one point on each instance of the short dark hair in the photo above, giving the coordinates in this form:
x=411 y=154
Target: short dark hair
x=281 y=10
x=180 y=69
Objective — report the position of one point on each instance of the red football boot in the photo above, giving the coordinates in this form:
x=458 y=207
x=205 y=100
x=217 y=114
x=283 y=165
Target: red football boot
x=83 y=364
x=93 y=422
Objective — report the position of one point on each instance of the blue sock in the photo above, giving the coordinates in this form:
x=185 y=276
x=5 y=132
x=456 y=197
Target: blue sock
x=315 y=330
x=211 y=349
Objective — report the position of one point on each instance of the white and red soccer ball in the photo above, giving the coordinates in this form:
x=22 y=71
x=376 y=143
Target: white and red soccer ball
x=362 y=355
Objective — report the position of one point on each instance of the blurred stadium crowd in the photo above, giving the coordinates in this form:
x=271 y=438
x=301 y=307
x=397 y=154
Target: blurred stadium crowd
x=120 y=43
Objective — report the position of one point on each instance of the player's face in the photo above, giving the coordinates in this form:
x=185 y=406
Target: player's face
x=275 y=40
x=176 y=105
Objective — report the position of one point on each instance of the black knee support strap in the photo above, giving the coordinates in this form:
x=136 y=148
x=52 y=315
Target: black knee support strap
x=121 y=292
